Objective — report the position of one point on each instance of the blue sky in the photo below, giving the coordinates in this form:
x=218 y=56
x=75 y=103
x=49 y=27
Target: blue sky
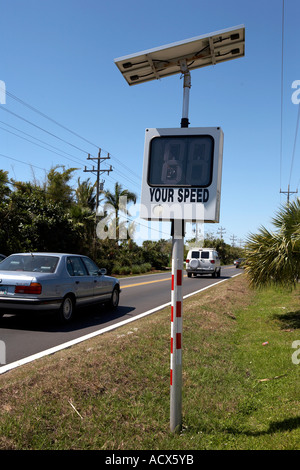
x=58 y=57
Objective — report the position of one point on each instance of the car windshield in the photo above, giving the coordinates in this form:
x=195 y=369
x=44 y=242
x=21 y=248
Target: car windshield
x=30 y=263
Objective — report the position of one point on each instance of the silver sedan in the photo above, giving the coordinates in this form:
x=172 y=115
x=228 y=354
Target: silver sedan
x=54 y=281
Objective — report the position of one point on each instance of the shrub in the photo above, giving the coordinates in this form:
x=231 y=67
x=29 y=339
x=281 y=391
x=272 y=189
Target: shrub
x=136 y=269
x=146 y=267
x=156 y=253
x=125 y=270
x=116 y=268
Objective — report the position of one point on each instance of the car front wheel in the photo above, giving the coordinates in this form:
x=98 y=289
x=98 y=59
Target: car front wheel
x=114 y=300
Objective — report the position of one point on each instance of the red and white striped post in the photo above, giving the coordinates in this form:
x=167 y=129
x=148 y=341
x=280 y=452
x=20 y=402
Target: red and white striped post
x=176 y=328
x=178 y=228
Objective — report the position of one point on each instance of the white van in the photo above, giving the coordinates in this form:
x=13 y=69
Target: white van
x=203 y=261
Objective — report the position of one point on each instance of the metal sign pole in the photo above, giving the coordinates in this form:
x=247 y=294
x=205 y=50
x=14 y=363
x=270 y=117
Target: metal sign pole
x=176 y=328
x=178 y=227
x=186 y=93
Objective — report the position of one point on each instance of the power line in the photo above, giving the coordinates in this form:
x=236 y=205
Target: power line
x=140 y=224
x=69 y=130
x=281 y=111
x=74 y=158
x=20 y=161
x=48 y=117
x=29 y=135
x=42 y=129
x=288 y=192
x=35 y=143
x=295 y=141
x=32 y=108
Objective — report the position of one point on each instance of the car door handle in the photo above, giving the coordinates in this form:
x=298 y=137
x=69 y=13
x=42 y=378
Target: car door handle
x=77 y=282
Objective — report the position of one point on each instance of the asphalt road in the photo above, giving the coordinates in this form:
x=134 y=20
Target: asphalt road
x=29 y=334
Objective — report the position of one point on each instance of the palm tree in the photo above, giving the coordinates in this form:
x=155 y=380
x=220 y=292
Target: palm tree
x=274 y=257
x=85 y=194
x=117 y=201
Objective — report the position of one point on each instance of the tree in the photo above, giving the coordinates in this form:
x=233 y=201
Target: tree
x=4 y=188
x=157 y=253
x=274 y=257
x=29 y=221
x=85 y=194
x=117 y=202
x=57 y=187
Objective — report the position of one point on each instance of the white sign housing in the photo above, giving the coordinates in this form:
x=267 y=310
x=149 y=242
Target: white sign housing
x=182 y=174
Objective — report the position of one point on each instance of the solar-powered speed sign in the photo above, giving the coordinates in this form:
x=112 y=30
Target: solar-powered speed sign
x=182 y=174
x=182 y=167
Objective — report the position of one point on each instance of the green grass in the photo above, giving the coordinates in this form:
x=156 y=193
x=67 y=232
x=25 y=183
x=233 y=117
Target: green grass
x=118 y=383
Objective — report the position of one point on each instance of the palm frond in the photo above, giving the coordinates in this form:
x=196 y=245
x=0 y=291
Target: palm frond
x=274 y=257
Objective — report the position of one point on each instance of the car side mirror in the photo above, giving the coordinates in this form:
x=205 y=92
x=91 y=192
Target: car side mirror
x=102 y=271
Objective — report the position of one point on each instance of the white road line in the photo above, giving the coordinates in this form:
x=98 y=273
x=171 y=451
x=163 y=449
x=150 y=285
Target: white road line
x=55 y=349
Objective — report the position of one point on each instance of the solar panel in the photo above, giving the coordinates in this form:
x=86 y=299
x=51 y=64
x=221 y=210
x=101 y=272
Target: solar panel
x=200 y=51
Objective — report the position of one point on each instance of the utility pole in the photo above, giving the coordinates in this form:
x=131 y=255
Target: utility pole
x=233 y=238
x=288 y=192
x=98 y=172
x=220 y=231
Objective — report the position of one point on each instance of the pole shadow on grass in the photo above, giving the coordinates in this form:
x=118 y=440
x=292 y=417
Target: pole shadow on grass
x=288 y=424
x=289 y=320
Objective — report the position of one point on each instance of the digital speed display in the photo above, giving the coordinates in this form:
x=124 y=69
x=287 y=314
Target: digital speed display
x=182 y=174
x=185 y=160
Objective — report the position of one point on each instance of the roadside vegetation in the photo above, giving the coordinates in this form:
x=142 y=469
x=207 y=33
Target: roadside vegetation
x=54 y=216
x=241 y=377
x=274 y=257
